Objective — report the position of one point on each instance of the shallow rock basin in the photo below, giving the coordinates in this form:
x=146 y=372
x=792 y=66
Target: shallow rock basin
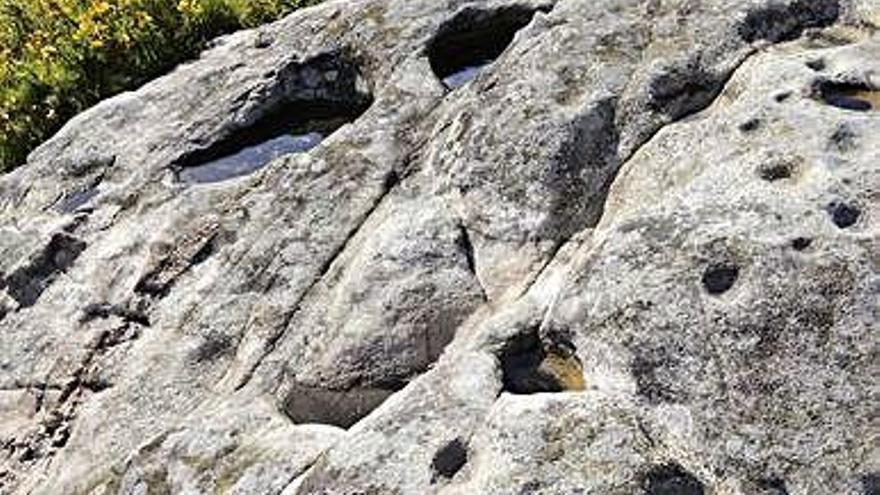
x=472 y=40
x=855 y=97
x=464 y=75
x=250 y=159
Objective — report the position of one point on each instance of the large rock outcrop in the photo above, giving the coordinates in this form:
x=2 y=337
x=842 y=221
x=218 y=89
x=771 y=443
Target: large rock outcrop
x=636 y=253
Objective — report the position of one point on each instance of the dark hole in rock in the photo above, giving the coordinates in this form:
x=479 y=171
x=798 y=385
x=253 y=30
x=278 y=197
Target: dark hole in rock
x=780 y=22
x=871 y=484
x=530 y=365
x=817 y=65
x=773 y=486
x=27 y=283
x=450 y=459
x=801 y=243
x=776 y=170
x=750 y=125
x=843 y=215
x=319 y=97
x=718 y=279
x=473 y=39
x=781 y=97
x=671 y=479
x=342 y=408
x=856 y=97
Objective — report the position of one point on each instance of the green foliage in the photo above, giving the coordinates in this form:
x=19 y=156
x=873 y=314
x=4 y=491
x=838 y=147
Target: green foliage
x=58 y=57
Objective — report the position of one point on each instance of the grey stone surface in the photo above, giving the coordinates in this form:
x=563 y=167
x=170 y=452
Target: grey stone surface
x=636 y=253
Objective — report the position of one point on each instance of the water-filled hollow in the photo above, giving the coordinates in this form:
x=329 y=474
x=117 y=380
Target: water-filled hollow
x=317 y=98
x=472 y=40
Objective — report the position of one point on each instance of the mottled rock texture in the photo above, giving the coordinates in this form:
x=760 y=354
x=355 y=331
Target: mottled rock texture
x=638 y=253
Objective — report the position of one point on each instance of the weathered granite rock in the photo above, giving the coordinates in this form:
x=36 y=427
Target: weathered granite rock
x=636 y=253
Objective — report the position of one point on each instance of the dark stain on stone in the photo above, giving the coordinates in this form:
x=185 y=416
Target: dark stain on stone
x=27 y=283
x=671 y=479
x=776 y=170
x=843 y=139
x=718 y=279
x=105 y=310
x=651 y=371
x=843 y=215
x=472 y=39
x=449 y=459
x=780 y=22
x=212 y=347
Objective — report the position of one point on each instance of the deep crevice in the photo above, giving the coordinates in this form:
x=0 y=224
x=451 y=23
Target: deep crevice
x=26 y=284
x=189 y=252
x=105 y=310
x=389 y=183
x=472 y=39
x=463 y=241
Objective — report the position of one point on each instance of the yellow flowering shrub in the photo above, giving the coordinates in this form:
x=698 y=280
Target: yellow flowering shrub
x=58 y=57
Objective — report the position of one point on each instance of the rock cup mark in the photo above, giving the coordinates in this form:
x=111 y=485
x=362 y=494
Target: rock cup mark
x=323 y=405
x=671 y=479
x=718 y=279
x=473 y=39
x=449 y=460
x=801 y=243
x=776 y=170
x=318 y=97
x=843 y=215
x=855 y=97
x=530 y=365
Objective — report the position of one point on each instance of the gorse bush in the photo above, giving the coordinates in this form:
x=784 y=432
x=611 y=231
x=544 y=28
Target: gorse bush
x=58 y=57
